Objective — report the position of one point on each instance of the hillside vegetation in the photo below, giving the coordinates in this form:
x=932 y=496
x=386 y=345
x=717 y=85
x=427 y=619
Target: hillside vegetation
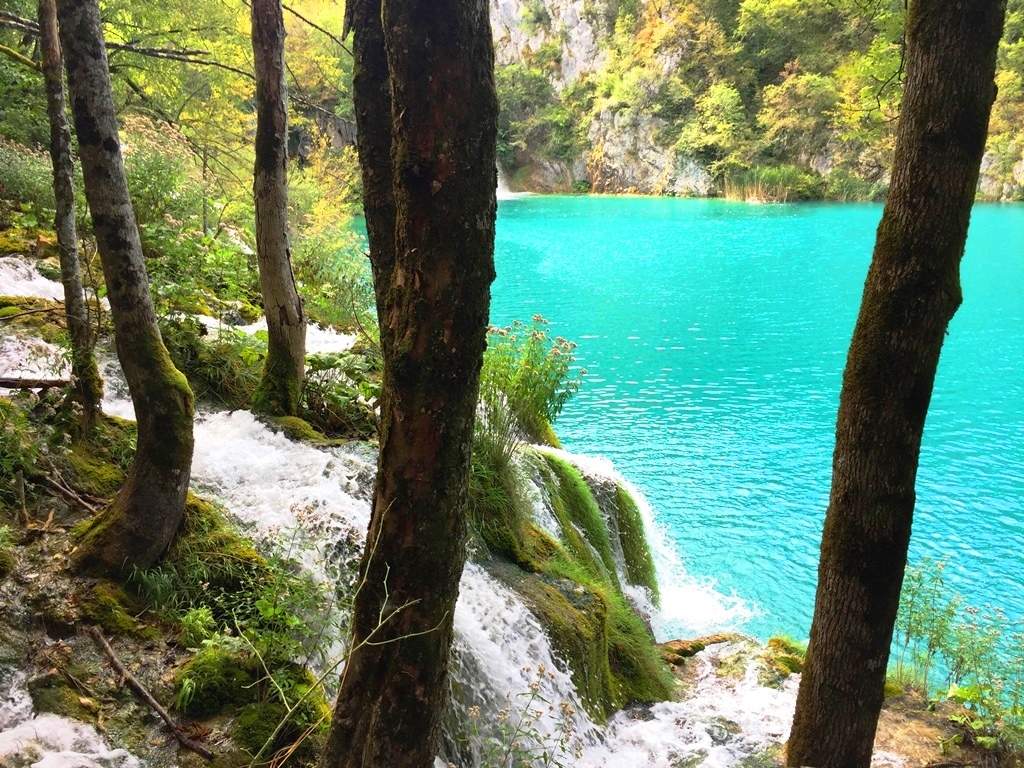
x=769 y=99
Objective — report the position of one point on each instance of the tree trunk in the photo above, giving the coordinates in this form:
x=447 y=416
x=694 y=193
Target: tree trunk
x=88 y=387
x=136 y=529
x=432 y=274
x=279 y=389
x=911 y=293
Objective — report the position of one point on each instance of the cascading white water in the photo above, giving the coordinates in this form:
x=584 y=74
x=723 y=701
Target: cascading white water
x=48 y=741
x=278 y=488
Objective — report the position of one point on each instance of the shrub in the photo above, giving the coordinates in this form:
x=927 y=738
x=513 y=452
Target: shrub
x=26 y=179
x=527 y=378
x=341 y=392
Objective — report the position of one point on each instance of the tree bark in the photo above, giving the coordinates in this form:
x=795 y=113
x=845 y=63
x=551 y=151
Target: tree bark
x=284 y=369
x=430 y=214
x=88 y=386
x=136 y=529
x=911 y=293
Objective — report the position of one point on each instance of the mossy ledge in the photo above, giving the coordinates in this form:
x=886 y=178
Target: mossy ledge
x=571 y=583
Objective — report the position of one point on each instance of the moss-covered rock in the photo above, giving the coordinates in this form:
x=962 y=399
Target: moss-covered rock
x=295 y=428
x=108 y=606
x=584 y=530
x=303 y=729
x=93 y=473
x=215 y=680
x=53 y=692
x=636 y=551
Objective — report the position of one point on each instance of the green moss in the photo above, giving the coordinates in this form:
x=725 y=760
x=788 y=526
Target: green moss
x=635 y=549
x=546 y=435
x=257 y=722
x=297 y=429
x=572 y=588
x=7 y=563
x=576 y=509
x=93 y=473
x=278 y=391
x=893 y=689
x=497 y=512
x=49 y=268
x=108 y=606
x=574 y=618
x=638 y=671
x=53 y=693
x=215 y=680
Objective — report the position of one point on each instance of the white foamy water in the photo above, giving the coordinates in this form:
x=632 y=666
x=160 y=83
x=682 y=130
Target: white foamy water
x=722 y=721
x=318 y=340
x=48 y=741
x=18 y=277
x=31 y=358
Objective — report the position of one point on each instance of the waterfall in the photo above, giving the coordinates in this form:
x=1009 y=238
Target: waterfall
x=504 y=193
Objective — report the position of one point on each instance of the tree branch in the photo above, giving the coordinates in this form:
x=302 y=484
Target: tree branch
x=25 y=61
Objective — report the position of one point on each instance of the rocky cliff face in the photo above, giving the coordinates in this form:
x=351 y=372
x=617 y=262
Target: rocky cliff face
x=522 y=27
x=624 y=155
x=626 y=158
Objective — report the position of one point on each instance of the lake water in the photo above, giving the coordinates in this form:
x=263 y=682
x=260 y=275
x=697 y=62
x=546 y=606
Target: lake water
x=714 y=335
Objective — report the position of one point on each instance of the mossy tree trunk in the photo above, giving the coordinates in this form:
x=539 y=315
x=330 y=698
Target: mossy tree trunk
x=426 y=112
x=88 y=388
x=911 y=293
x=136 y=529
x=279 y=388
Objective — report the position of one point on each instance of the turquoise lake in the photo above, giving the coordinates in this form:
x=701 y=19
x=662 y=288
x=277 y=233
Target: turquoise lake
x=714 y=335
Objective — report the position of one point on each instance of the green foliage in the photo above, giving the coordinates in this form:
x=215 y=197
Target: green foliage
x=843 y=186
x=533 y=119
x=341 y=392
x=796 y=115
x=26 y=179
x=7 y=558
x=197 y=626
x=225 y=366
x=20 y=448
x=980 y=651
x=23 y=106
x=527 y=378
x=333 y=274
x=535 y=16
x=719 y=130
x=258 y=623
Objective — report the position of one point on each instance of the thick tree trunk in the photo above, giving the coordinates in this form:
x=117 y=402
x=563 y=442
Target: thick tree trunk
x=279 y=389
x=139 y=525
x=432 y=279
x=911 y=293
x=88 y=387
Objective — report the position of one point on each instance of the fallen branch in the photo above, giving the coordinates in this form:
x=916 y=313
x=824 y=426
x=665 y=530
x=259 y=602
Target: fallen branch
x=53 y=485
x=19 y=383
x=145 y=695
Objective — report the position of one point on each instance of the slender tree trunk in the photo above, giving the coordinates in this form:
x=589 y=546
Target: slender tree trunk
x=911 y=293
x=432 y=279
x=136 y=529
x=88 y=388
x=279 y=389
